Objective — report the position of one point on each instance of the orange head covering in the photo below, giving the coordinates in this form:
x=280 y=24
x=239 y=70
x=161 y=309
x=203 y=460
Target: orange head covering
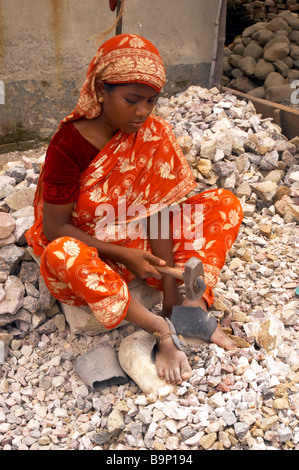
x=125 y=58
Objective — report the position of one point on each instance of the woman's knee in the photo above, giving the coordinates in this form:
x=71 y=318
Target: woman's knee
x=65 y=250
x=230 y=201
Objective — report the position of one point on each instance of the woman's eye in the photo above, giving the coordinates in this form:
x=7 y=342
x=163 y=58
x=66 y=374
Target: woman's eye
x=130 y=101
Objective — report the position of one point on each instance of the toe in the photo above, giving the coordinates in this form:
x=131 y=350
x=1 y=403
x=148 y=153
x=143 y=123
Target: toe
x=161 y=373
x=186 y=371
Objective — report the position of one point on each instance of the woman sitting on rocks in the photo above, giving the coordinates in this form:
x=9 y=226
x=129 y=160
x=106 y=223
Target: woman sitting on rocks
x=113 y=175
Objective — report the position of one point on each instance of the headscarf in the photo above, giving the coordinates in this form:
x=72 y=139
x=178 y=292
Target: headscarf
x=126 y=58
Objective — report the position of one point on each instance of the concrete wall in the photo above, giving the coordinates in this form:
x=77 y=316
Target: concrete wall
x=46 y=46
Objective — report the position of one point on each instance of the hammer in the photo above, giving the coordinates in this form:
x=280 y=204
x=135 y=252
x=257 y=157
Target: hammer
x=191 y=321
x=193 y=277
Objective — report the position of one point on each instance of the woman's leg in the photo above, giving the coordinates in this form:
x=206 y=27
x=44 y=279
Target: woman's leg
x=206 y=226
x=75 y=275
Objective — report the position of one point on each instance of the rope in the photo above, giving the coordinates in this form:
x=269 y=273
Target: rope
x=99 y=37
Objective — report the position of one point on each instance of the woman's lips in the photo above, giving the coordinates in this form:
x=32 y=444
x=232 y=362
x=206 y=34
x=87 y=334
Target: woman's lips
x=138 y=124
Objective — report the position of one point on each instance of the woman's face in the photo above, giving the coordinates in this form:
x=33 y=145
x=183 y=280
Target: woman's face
x=126 y=107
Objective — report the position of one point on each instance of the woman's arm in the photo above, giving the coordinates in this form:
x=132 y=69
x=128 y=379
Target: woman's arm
x=56 y=224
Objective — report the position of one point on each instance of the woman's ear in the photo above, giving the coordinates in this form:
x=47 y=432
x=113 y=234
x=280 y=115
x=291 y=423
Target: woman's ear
x=100 y=88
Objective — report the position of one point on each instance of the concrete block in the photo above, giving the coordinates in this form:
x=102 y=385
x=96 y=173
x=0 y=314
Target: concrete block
x=82 y=321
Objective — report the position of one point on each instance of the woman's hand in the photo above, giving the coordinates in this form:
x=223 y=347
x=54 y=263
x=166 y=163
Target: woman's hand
x=141 y=263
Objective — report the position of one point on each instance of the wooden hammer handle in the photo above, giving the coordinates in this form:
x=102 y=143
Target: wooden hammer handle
x=174 y=272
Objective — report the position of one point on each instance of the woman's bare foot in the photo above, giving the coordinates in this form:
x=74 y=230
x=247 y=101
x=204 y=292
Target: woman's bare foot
x=222 y=340
x=172 y=364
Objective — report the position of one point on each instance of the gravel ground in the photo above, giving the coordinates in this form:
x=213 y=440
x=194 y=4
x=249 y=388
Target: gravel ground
x=243 y=401
x=246 y=400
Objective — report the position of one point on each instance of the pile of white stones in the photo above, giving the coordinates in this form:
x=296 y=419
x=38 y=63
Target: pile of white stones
x=228 y=145
x=247 y=400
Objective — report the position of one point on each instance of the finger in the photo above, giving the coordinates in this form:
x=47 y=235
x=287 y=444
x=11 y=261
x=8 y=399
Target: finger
x=152 y=272
x=154 y=260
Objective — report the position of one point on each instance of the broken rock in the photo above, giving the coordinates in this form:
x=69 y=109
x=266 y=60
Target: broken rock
x=265 y=190
x=7 y=225
x=270 y=334
x=14 y=296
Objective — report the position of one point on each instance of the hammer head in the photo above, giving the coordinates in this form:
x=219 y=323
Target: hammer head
x=194 y=279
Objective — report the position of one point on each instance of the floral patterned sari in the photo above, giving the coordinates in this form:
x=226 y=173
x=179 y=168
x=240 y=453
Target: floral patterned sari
x=133 y=177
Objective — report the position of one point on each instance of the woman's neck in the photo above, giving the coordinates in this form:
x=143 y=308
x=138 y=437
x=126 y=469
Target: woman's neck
x=95 y=131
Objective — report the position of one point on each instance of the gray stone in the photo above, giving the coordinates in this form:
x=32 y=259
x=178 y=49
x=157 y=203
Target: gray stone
x=294 y=51
x=247 y=65
x=234 y=60
x=293 y=75
x=224 y=168
x=253 y=50
x=277 y=24
x=10 y=256
x=14 y=296
x=265 y=36
x=187 y=432
x=258 y=92
x=291 y=19
x=252 y=29
x=281 y=68
x=265 y=190
x=241 y=429
x=29 y=272
x=6 y=190
x=226 y=67
x=18 y=172
x=229 y=417
x=274 y=79
x=284 y=434
x=269 y=161
x=294 y=36
x=239 y=49
x=22 y=198
x=263 y=69
x=22 y=225
x=46 y=299
x=276 y=51
x=243 y=84
x=7 y=225
x=279 y=93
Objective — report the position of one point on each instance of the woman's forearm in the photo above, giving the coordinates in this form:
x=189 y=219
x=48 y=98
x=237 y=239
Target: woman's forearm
x=163 y=248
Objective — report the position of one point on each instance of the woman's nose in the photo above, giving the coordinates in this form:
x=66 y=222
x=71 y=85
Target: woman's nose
x=142 y=109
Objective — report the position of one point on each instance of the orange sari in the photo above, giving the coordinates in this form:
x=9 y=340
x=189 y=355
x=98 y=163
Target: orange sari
x=133 y=177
